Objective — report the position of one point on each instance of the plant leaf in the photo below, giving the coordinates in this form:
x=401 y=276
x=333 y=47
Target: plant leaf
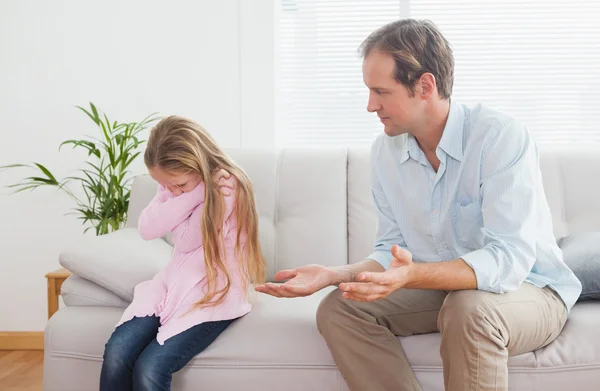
x=45 y=171
x=96 y=120
x=2 y=168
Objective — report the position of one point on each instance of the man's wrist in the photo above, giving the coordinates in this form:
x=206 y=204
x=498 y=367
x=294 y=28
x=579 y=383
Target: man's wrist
x=341 y=274
x=414 y=275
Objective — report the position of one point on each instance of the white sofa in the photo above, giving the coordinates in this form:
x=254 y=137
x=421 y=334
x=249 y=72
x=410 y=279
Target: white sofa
x=315 y=207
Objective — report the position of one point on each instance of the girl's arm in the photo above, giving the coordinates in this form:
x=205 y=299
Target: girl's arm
x=165 y=212
x=187 y=236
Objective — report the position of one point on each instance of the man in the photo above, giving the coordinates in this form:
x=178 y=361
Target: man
x=464 y=242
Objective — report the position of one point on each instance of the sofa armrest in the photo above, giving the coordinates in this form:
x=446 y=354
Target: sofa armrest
x=117 y=261
x=77 y=291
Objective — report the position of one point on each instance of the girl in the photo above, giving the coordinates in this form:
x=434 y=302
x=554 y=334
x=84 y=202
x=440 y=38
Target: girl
x=216 y=254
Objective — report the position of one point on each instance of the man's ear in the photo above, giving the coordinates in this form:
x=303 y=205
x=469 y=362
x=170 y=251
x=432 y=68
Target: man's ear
x=427 y=86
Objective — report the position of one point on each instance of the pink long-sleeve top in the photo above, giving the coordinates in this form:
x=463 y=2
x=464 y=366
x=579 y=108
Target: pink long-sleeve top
x=171 y=294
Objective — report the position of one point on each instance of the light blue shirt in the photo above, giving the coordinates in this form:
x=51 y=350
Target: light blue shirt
x=485 y=204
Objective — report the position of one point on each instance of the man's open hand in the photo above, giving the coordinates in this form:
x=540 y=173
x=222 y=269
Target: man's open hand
x=377 y=285
x=303 y=281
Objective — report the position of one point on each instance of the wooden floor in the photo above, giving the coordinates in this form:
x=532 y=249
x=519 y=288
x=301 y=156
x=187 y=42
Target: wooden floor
x=21 y=370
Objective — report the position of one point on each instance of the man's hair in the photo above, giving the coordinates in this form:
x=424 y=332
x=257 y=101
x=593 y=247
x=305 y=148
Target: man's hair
x=417 y=47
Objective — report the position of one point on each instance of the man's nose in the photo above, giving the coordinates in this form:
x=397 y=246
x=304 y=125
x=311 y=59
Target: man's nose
x=372 y=105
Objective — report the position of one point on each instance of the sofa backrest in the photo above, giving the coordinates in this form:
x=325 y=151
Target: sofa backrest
x=301 y=201
x=575 y=178
x=315 y=205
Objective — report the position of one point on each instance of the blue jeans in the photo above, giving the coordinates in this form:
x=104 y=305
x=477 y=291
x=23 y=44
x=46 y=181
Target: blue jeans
x=134 y=361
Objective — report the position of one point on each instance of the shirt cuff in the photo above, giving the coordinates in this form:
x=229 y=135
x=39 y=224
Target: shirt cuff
x=480 y=261
x=384 y=258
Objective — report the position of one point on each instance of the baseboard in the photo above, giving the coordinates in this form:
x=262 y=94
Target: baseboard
x=21 y=340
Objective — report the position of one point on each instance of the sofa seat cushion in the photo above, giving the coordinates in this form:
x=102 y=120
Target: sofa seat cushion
x=276 y=332
x=278 y=341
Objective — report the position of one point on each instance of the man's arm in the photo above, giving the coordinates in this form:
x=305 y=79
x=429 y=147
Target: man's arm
x=306 y=280
x=404 y=273
x=448 y=276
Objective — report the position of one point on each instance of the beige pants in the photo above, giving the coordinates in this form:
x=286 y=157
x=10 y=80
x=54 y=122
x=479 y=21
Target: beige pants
x=479 y=331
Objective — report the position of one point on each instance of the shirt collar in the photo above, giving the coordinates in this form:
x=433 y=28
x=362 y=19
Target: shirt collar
x=410 y=149
x=452 y=137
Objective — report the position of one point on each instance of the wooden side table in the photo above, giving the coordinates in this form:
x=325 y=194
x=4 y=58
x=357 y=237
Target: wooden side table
x=55 y=281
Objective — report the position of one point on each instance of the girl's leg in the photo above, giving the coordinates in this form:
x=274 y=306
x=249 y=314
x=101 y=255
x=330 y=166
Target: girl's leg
x=122 y=350
x=155 y=366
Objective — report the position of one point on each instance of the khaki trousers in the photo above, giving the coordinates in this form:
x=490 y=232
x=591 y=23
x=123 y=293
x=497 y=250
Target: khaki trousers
x=479 y=331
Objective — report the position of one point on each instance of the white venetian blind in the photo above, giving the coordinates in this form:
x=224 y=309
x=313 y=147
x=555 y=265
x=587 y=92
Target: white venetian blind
x=538 y=61
x=322 y=97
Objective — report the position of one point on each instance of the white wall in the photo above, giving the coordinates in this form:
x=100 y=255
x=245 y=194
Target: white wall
x=132 y=58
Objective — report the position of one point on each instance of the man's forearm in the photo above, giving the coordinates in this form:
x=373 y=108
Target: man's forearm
x=348 y=273
x=448 y=276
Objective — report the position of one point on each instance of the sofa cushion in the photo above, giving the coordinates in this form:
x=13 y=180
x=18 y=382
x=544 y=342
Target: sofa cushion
x=582 y=254
x=117 y=261
x=579 y=170
x=79 y=291
x=278 y=341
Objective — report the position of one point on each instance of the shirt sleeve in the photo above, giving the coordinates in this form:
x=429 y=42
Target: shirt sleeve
x=510 y=183
x=388 y=232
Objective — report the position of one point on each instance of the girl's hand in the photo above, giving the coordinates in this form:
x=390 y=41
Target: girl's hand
x=220 y=178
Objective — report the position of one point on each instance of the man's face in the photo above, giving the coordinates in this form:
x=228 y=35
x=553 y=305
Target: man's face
x=397 y=110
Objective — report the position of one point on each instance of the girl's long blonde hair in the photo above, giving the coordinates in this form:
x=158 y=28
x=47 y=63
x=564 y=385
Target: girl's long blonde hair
x=177 y=144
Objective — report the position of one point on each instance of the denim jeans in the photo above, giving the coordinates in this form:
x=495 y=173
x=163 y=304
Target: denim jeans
x=134 y=361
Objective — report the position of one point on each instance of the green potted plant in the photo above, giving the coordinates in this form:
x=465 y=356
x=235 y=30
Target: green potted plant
x=105 y=179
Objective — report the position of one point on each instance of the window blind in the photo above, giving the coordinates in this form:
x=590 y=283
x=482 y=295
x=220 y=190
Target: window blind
x=537 y=61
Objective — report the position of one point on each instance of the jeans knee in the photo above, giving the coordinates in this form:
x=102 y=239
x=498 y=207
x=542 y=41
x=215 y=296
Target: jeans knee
x=149 y=374
x=115 y=364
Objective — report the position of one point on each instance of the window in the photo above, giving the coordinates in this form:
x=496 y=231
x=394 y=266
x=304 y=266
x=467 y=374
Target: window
x=537 y=61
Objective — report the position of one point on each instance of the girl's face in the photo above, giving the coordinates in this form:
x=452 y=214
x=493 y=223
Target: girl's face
x=176 y=182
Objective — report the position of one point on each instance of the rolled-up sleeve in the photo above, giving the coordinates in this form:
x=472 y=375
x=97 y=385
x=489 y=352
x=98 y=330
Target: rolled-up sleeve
x=510 y=183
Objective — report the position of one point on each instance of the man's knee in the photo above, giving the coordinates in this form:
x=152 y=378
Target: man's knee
x=331 y=308
x=466 y=311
